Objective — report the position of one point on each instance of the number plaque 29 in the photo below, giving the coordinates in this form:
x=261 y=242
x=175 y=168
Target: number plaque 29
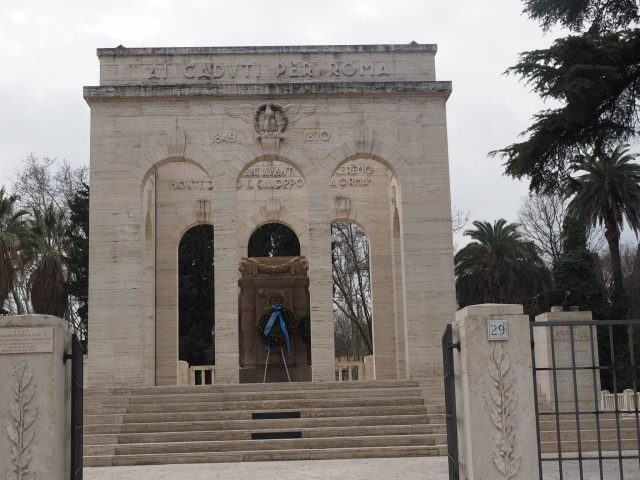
x=497 y=330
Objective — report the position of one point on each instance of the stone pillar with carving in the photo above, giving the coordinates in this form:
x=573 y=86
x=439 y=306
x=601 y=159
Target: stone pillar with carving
x=556 y=344
x=35 y=409
x=494 y=393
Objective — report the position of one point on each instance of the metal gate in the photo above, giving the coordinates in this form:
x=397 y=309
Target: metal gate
x=76 y=357
x=596 y=433
x=450 y=401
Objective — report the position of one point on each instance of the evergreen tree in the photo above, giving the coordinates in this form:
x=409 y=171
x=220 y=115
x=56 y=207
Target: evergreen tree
x=574 y=270
x=594 y=75
x=77 y=259
x=498 y=266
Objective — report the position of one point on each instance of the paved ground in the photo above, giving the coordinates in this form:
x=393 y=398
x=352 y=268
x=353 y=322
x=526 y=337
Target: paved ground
x=420 y=468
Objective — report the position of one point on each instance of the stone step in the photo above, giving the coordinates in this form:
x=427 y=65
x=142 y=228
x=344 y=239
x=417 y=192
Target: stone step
x=289 y=404
x=294 y=423
x=254 y=396
x=266 y=455
x=250 y=387
x=319 y=432
x=588 y=435
x=587 y=424
x=344 y=411
x=246 y=445
x=589 y=446
x=213 y=423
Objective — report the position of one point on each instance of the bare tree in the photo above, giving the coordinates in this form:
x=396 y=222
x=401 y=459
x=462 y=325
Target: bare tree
x=541 y=218
x=42 y=181
x=459 y=220
x=351 y=288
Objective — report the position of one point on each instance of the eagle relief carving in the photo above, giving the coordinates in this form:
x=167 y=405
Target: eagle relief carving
x=270 y=119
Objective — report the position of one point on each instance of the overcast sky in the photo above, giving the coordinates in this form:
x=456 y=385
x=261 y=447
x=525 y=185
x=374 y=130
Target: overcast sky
x=47 y=54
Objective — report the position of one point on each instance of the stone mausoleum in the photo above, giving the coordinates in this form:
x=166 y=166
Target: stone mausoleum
x=242 y=137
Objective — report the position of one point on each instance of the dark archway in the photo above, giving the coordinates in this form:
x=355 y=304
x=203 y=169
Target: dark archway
x=195 y=296
x=273 y=240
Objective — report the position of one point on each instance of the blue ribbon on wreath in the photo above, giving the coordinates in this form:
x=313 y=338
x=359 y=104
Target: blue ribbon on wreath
x=277 y=315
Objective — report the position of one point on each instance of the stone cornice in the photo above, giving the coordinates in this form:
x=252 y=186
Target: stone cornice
x=384 y=48
x=435 y=88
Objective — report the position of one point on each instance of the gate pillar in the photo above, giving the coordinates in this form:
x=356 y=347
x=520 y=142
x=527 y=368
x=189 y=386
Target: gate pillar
x=494 y=394
x=35 y=409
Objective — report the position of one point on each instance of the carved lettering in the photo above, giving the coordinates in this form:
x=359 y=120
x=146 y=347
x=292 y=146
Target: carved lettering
x=190 y=184
x=210 y=71
x=217 y=71
x=366 y=67
x=188 y=71
x=348 y=69
x=307 y=70
x=277 y=176
x=353 y=174
x=382 y=70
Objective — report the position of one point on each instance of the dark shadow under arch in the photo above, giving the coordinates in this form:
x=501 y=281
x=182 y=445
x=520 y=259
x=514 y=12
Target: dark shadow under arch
x=273 y=240
x=195 y=296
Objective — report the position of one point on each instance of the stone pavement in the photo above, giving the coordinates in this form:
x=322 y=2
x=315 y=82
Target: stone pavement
x=422 y=468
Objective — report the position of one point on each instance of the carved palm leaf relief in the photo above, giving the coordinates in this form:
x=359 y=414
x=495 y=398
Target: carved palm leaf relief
x=20 y=424
x=505 y=400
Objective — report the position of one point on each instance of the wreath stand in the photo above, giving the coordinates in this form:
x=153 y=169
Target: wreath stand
x=266 y=365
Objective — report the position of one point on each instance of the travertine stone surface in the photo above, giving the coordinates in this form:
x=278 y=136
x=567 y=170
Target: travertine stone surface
x=355 y=133
x=35 y=403
x=585 y=352
x=496 y=419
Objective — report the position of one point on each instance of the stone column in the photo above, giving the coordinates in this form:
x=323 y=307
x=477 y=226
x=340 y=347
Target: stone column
x=494 y=392
x=384 y=326
x=226 y=275
x=586 y=355
x=35 y=397
x=323 y=361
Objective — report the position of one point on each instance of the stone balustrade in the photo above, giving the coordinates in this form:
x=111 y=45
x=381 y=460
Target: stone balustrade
x=626 y=402
x=195 y=374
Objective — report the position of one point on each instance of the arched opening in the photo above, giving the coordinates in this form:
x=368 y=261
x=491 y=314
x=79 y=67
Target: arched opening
x=352 y=306
x=195 y=296
x=273 y=240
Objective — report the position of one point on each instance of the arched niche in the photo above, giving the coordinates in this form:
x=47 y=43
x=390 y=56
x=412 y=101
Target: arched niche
x=365 y=191
x=271 y=190
x=273 y=240
x=196 y=313
x=352 y=305
x=176 y=195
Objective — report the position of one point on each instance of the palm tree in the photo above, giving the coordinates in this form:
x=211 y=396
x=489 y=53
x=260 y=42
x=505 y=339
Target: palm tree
x=498 y=266
x=607 y=194
x=12 y=228
x=48 y=280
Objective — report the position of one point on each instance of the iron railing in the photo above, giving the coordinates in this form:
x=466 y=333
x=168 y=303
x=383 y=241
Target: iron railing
x=578 y=450
x=450 y=401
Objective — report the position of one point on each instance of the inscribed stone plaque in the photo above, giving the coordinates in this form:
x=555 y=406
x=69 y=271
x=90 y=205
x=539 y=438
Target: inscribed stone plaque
x=26 y=340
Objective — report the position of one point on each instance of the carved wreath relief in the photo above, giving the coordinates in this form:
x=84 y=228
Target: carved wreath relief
x=505 y=400
x=20 y=424
x=270 y=119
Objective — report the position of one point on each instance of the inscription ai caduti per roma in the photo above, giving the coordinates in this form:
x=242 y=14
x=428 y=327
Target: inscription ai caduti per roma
x=211 y=71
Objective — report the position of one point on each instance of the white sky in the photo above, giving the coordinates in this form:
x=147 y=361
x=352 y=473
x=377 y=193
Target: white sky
x=47 y=54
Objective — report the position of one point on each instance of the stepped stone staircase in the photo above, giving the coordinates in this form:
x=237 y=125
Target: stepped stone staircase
x=258 y=422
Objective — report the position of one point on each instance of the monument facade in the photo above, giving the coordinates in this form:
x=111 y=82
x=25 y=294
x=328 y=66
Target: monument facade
x=243 y=137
